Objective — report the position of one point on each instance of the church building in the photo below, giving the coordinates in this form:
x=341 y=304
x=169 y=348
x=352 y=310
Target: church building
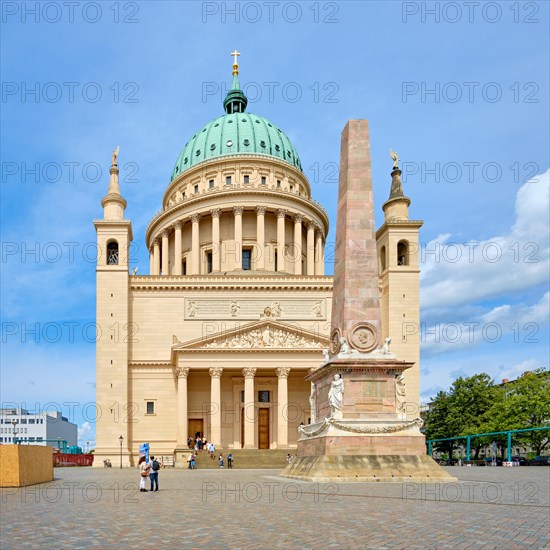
x=236 y=308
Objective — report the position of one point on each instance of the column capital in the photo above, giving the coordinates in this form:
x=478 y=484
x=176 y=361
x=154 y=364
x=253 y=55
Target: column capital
x=312 y=225
x=249 y=372
x=215 y=213
x=215 y=372
x=151 y=249
x=238 y=210
x=178 y=224
x=281 y=213
x=260 y=210
x=298 y=218
x=182 y=372
x=195 y=218
x=156 y=241
x=282 y=372
x=165 y=234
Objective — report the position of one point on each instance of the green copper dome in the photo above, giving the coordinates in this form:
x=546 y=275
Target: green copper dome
x=236 y=133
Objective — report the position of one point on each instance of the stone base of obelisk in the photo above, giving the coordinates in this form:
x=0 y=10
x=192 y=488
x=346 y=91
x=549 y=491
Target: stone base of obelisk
x=367 y=440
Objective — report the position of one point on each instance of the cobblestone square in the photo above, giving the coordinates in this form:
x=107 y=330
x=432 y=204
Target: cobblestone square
x=103 y=508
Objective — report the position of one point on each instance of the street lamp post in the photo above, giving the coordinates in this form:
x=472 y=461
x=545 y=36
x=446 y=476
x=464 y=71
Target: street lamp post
x=121 y=439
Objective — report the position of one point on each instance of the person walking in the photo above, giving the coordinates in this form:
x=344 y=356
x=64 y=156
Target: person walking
x=229 y=461
x=143 y=473
x=212 y=450
x=221 y=460
x=154 y=466
x=189 y=459
x=193 y=464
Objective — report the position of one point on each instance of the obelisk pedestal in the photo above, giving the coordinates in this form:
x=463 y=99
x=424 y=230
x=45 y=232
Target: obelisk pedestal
x=360 y=430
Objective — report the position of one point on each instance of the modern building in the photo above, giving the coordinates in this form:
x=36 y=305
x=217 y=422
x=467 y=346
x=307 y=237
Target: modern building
x=42 y=428
x=236 y=308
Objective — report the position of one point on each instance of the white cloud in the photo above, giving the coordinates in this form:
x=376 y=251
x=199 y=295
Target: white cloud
x=462 y=271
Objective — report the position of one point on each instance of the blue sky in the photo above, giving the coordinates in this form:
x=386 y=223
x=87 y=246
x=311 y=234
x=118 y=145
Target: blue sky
x=465 y=103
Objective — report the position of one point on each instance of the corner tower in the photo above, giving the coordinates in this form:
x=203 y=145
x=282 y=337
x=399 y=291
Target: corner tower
x=397 y=244
x=114 y=235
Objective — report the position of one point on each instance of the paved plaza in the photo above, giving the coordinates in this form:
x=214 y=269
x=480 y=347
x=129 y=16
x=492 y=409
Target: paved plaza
x=102 y=508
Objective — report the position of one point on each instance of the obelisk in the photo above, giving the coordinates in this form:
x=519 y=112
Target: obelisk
x=355 y=299
x=360 y=430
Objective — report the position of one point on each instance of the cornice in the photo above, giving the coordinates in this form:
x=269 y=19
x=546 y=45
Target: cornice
x=189 y=206
x=223 y=283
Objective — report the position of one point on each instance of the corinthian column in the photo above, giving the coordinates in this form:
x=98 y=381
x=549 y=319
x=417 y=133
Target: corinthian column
x=310 y=248
x=249 y=408
x=282 y=406
x=165 y=253
x=281 y=215
x=215 y=239
x=238 y=211
x=260 y=236
x=151 y=261
x=319 y=253
x=298 y=244
x=156 y=257
x=177 y=248
x=215 y=406
x=182 y=373
x=195 y=244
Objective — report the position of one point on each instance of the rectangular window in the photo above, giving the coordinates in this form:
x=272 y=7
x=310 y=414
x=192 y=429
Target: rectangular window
x=31 y=438
x=275 y=268
x=247 y=255
x=278 y=183
x=196 y=188
x=263 y=396
x=184 y=267
x=211 y=184
x=242 y=396
x=264 y=180
x=227 y=180
x=246 y=179
x=39 y=438
x=23 y=421
x=209 y=262
x=150 y=407
x=31 y=420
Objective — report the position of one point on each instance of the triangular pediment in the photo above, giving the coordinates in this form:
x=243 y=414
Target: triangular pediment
x=260 y=335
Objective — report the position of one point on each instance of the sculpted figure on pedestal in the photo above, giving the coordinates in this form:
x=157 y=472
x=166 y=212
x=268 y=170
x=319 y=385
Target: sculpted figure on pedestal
x=336 y=396
x=400 y=392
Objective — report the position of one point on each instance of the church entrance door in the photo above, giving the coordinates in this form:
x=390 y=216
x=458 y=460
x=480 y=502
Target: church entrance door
x=263 y=428
x=195 y=425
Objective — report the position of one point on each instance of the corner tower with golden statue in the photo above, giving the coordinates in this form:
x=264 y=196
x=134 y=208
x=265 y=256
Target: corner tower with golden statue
x=236 y=309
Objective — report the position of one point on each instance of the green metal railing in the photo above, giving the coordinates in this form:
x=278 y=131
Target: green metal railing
x=468 y=439
x=61 y=443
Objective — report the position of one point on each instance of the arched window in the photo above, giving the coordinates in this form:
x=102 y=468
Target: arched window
x=112 y=253
x=382 y=259
x=402 y=253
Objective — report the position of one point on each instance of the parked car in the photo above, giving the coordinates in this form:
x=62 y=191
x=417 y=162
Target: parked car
x=489 y=459
x=522 y=460
x=539 y=461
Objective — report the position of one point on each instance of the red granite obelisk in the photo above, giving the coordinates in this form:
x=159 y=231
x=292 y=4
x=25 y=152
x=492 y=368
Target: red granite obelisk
x=355 y=298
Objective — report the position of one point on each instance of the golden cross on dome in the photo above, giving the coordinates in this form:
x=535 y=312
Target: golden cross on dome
x=235 y=54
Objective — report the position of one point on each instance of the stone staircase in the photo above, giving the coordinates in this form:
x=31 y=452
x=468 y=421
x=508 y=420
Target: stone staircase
x=246 y=459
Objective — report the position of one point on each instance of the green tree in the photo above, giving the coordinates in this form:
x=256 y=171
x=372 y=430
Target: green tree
x=437 y=423
x=525 y=403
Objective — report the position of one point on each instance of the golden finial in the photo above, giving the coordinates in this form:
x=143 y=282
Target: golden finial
x=235 y=54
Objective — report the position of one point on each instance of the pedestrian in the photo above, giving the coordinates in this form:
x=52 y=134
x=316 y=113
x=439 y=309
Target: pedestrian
x=204 y=442
x=154 y=466
x=221 y=460
x=229 y=461
x=189 y=442
x=143 y=473
x=212 y=450
x=189 y=459
x=289 y=458
x=193 y=464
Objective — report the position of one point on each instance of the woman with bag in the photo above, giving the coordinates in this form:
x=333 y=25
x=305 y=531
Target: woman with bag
x=144 y=470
